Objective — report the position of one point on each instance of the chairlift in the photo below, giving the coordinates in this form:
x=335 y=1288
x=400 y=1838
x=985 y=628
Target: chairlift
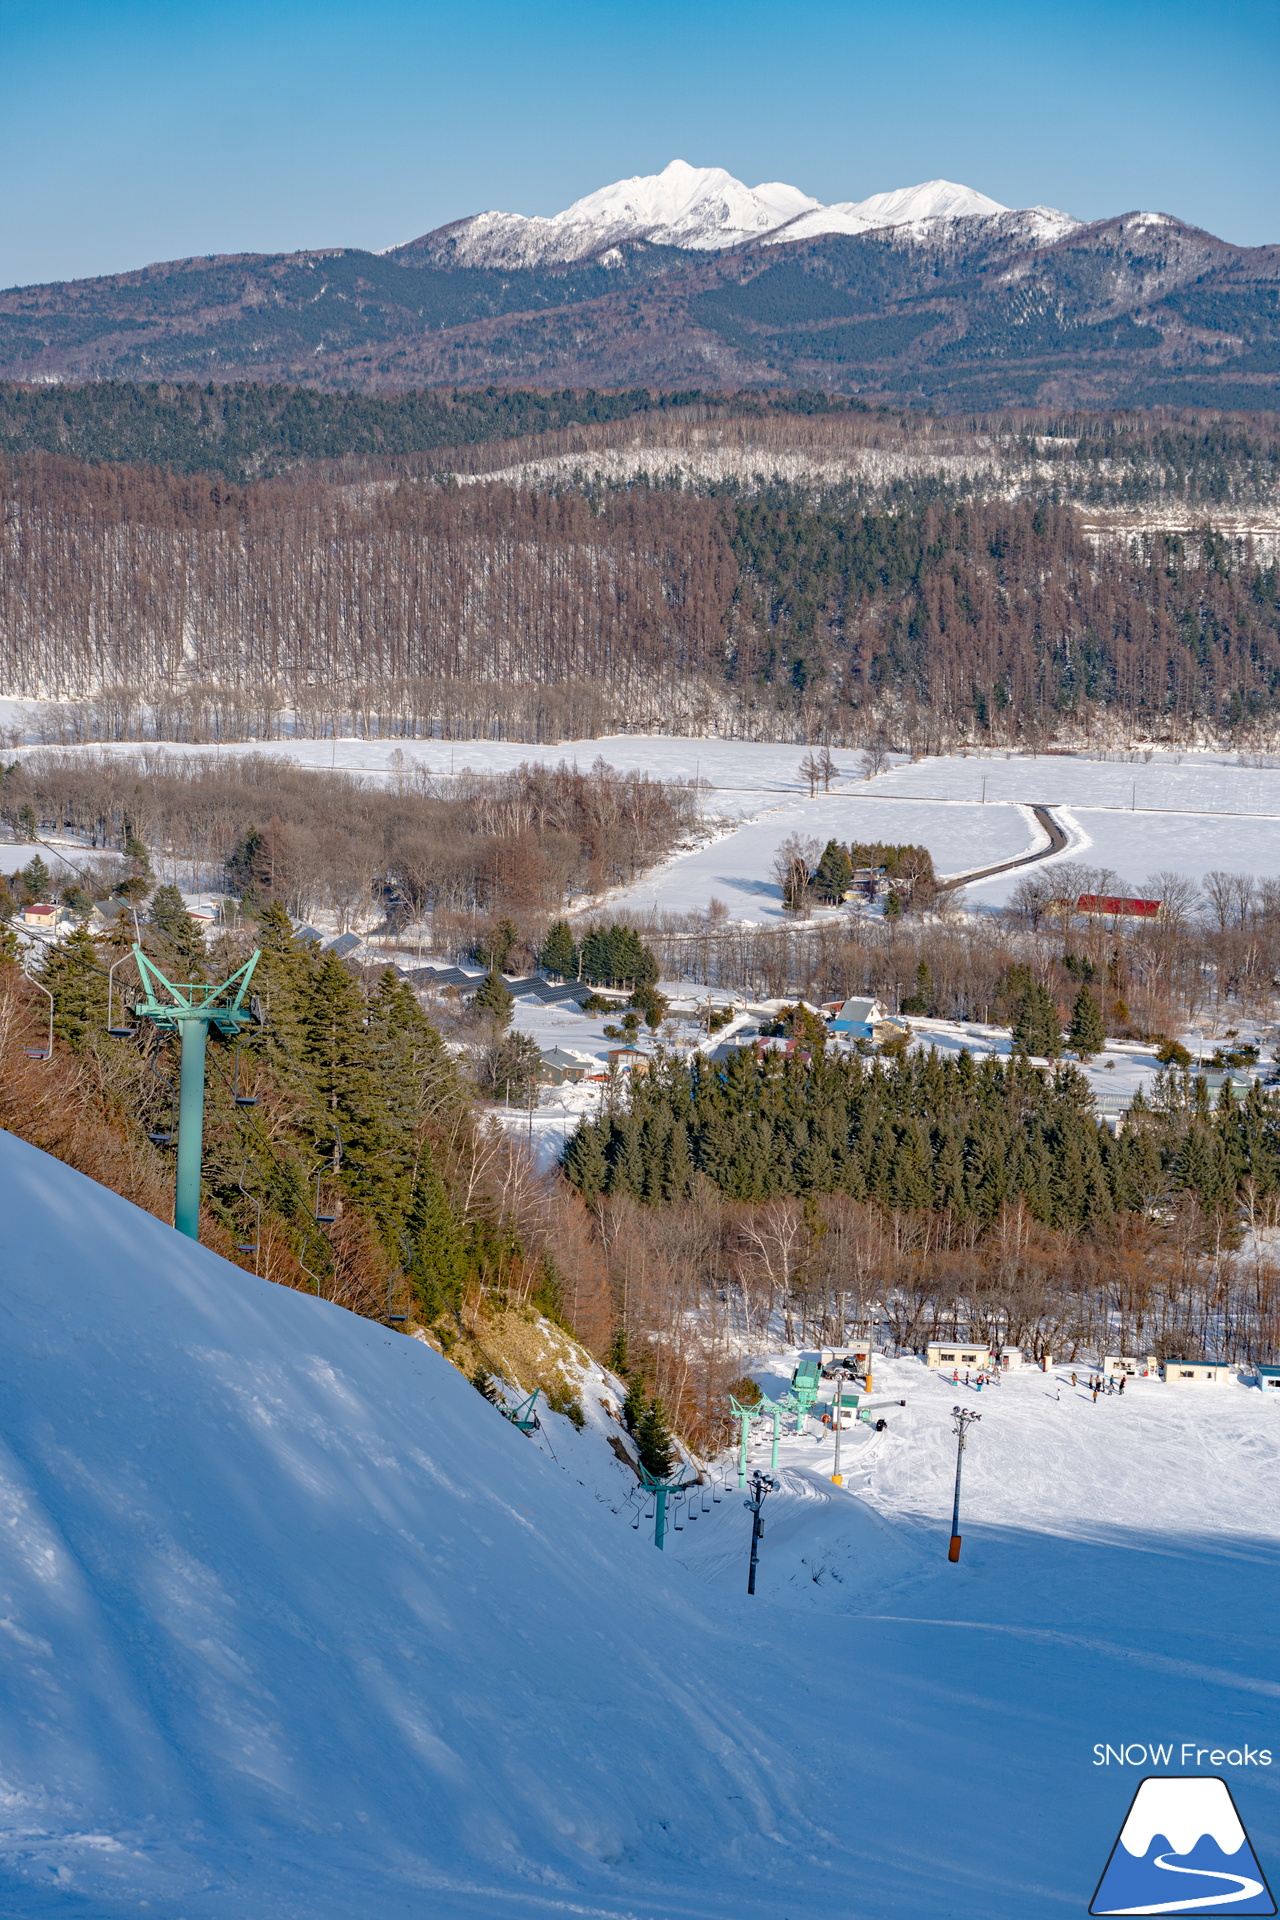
x=45 y=1052
x=240 y=1099
x=117 y=1030
x=396 y=1319
x=164 y=1136
x=255 y=1245
x=524 y=1416
x=321 y=1219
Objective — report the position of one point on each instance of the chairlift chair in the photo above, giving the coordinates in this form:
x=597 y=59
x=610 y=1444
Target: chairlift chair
x=164 y=1136
x=322 y=1219
x=240 y=1099
x=117 y=1030
x=45 y=1052
x=255 y=1246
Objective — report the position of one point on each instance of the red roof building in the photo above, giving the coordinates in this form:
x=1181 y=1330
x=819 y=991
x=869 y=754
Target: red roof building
x=1120 y=906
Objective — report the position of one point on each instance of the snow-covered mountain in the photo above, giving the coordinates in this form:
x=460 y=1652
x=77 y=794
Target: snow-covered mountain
x=702 y=209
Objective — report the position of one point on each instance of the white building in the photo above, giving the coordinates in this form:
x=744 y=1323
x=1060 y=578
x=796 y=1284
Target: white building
x=957 y=1353
x=1117 y=1363
x=1196 y=1372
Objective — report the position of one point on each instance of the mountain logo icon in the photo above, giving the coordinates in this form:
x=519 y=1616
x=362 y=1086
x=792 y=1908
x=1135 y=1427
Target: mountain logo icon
x=1183 y=1850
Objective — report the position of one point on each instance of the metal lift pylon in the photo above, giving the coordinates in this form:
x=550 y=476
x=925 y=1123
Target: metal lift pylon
x=190 y=1010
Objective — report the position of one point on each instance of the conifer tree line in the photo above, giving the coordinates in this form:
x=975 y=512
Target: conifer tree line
x=360 y=1171
x=146 y=601
x=931 y=1169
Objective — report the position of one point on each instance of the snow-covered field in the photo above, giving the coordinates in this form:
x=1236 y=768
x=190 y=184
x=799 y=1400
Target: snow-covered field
x=294 y=1624
x=1184 y=812
x=736 y=869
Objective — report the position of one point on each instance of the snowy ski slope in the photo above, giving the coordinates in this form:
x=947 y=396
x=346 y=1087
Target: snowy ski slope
x=294 y=1625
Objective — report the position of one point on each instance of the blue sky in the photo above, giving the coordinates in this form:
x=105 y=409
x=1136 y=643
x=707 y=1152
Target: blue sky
x=140 y=130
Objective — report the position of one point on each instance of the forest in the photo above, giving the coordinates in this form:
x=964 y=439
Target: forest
x=145 y=602
x=248 y=430
x=455 y=851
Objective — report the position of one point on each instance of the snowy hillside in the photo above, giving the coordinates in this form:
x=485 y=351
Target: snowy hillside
x=702 y=208
x=296 y=1625
x=290 y=1609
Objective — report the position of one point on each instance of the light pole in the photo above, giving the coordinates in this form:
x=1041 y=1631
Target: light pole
x=964 y=1417
x=761 y=1485
x=837 y=1478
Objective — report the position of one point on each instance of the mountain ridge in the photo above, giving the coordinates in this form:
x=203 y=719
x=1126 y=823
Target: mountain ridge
x=976 y=311
x=698 y=209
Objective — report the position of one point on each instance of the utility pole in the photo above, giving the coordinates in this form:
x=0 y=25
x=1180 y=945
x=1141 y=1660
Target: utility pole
x=761 y=1485
x=190 y=1011
x=964 y=1418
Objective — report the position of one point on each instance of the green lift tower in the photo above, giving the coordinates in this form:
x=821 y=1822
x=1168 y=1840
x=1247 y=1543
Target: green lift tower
x=190 y=1010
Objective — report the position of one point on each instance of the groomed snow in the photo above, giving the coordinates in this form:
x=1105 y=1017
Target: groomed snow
x=295 y=1625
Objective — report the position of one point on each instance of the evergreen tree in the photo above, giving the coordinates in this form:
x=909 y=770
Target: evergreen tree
x=834 y=872
x=494 y=996
x=653 y=1440
x=616 y=956
x=1036 y=1029
x=584 y=1162
x=559 y=953
x=75 y=976
x=169 y=916
x=617 y=1356
x=437 y=1269
x=509 y=1069
x=633 y=1407
x=350 y=1110
x=139 y=880
x=36 y=879
x=498 y=945
x=921 y=1001
x=1086 y=1035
